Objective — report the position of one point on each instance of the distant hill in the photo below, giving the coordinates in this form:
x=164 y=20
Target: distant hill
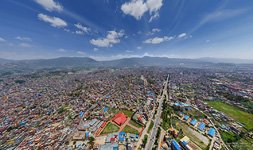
x=58 y=62
x=154 y=61
x=85 y=62
x=226 y=60
x=3 y=61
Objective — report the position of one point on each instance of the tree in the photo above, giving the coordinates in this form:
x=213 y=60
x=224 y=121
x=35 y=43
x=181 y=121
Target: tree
x=91 y=142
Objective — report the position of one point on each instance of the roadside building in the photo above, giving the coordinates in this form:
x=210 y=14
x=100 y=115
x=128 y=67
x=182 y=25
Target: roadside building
x=120 y=118
x=193 y=122
x=202 y=126
x=175 y=145
x=211 y=132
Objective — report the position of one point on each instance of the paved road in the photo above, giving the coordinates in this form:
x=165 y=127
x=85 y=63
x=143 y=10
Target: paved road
x=151 y=114
x=163 y=132
x=152 y=136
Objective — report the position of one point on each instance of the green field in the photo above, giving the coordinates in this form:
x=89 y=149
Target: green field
x=242 y=144
x=129 y=129
x=129 y=113
x=135 y=124
x=113 y=110
x=236 y=142
x=150 y=126
x=195 y=114
x=110 y=128
x=235 y=113
x=228 y=136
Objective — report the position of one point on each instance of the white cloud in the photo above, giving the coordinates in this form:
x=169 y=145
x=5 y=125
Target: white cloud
x=24 y=38
x=222 y=15
x=62 y=50
x=182 y=35
x=112 y=38
x=156 y=15
x=219 y=15
x=54 y=21
x=95 y=49
x=79 y=32
x=154 y=7
x=139 y=47
x=25 y=45
x=120 y=56
x=128 y=51
x=156 y=30
x=2 y=39
x=153 y=31
x=66 y=30
x=81 y=53
x=50 y=5
x=137 y=8
x=158 y=40
x=82 y=28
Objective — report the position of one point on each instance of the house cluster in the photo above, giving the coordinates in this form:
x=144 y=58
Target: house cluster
x=143 y=113
x=55 y=106
x=119 y=140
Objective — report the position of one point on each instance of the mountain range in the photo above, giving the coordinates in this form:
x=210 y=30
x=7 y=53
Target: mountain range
x=73 y=62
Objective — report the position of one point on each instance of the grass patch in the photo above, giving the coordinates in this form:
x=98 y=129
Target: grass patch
x=243 y=144
x=150 y=126
x=236 y=142
x=135 y=124
x=129 y=113
x=144 y=141
x=228 y=136
x=129 y=129
x=167 y=111
x=195 y=114
x=113 y=110
x=234 y=112
x=61 y=110
x=110 y=128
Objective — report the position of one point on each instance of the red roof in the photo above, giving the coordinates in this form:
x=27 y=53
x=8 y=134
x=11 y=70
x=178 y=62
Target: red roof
x=120 y=118
x=112 y=139
x=103 y=125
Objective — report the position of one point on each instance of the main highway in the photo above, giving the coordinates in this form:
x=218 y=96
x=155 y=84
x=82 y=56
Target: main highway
x=152 y=136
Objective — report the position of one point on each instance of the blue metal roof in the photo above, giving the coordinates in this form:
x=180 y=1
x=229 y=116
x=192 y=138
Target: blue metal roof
x=186 y=117
x=121 y=138
x=115 y=148
x=184 y=142
x=202 y=126
x=81 y=114
x=175 y=145
x=185 y=105
x=193 y=122
x=106 y=109
x=211 y=132
x=87 y=134
x=177 y=104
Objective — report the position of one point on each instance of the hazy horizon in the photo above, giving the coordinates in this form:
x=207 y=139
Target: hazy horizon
x=108 y=30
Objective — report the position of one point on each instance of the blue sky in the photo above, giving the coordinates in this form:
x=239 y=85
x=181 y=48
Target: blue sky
x=112 y=29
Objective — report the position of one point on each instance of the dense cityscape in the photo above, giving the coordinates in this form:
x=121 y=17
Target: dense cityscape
x=127 y=108
x=126 y=75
